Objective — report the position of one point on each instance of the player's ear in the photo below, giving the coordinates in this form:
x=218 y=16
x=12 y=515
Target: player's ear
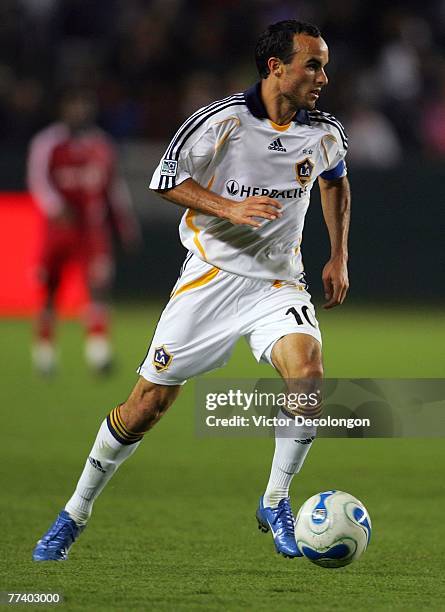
x=275 y=66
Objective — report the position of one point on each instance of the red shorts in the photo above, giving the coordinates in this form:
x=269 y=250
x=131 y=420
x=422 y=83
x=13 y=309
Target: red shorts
x=64 y=245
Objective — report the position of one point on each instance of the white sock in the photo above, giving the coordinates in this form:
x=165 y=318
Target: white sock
x=292 y=444
x=105 y=457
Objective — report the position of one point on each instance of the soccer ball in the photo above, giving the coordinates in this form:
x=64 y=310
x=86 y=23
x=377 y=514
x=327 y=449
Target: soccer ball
x=332 y=529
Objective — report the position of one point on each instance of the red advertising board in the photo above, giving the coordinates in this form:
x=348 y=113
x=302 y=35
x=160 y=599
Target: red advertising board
x=20 y=242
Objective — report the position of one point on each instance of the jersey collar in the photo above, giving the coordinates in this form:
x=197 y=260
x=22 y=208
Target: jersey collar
x=256 y=106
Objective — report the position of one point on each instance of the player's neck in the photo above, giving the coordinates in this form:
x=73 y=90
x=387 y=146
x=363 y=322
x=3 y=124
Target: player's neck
x=78 y=129
x=278 y=108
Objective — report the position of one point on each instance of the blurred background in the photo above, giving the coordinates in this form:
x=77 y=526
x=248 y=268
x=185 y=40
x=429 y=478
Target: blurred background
x=152 y=63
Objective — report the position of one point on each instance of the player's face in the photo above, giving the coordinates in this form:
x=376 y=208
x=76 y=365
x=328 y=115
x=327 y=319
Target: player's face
x=304 y=76
x=78 y=112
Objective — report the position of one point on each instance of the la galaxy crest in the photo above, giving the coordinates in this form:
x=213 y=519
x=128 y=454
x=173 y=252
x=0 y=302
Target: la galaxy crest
x=304 y=170
x=162 y=358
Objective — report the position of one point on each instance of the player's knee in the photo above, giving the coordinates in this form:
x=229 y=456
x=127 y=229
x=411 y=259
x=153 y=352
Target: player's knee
x=100 y=274
x=303 y=369
x=304 y=385
x=298 y=359
x=310 y=370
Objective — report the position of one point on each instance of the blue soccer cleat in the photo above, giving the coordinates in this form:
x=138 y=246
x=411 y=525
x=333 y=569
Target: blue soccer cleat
x=57 y=541
x=280 y=521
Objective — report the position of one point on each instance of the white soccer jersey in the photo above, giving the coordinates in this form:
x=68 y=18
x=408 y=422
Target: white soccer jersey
x=234 y=149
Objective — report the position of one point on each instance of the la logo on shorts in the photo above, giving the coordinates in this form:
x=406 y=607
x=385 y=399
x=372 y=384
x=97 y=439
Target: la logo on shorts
x=304 y=171
x=162 y=358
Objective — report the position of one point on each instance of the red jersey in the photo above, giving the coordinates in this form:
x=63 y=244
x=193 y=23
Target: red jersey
x=81 y=169
x=76 y=174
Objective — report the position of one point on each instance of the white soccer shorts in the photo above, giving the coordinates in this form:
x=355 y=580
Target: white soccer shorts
x=209 y=310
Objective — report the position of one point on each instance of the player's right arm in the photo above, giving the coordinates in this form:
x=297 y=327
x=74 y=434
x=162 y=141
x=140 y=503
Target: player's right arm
x=47 y=197
x=197 y=146
x=192 y=195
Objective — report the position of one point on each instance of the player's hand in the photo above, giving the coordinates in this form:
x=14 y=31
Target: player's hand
x=64 y=218
x=249 y=210
x=335 y=281
x=131 y=238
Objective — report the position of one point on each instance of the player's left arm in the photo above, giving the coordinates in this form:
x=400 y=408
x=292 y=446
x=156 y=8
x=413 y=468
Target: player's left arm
x=122 y=209
x=336 y=204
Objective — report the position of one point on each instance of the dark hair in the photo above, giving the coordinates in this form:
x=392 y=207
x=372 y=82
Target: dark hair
x=278 y=40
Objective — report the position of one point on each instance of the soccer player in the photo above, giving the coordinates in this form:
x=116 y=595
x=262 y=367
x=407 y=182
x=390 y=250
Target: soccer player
x=244 y=167
x=73 y=176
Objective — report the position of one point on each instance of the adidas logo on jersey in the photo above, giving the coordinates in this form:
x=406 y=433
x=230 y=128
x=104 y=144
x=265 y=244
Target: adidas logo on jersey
x=276 y=145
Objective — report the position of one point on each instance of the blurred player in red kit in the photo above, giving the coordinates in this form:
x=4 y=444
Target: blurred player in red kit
x=74 y=179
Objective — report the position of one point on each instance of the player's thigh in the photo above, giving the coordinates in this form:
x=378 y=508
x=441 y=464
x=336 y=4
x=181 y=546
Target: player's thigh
x=197 y=329
x=284 y=319
x=297 y=355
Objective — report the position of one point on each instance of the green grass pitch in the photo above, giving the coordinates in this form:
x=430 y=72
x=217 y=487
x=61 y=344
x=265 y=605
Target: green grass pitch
x=175 y=529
